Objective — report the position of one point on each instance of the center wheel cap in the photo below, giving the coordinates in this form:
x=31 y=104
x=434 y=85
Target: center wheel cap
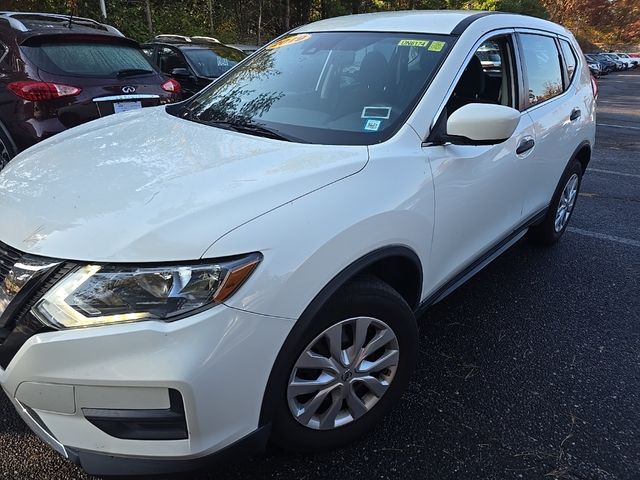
x=346 y=376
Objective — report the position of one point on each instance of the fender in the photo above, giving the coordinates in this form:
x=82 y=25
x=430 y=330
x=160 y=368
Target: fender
x=279 y=370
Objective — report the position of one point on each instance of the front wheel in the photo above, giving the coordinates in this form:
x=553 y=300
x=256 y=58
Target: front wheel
x=561 y=207
x=348 y=370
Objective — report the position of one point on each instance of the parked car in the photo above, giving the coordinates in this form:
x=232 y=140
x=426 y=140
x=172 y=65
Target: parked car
x=248 y=49
x=194 y=61
x=185 y=282
x=595 y=69
x=57 y=72
x=620 y=65
x=606 y=64
x=631 y=62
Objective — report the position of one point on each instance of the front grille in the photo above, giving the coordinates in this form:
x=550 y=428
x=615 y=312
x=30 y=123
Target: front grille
x=8 y=258
x=16 y=321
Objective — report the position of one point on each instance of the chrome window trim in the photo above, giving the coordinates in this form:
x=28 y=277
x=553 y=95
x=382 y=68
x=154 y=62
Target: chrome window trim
x=139 y=96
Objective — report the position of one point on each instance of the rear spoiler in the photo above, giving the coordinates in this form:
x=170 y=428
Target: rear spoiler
x=71 y=36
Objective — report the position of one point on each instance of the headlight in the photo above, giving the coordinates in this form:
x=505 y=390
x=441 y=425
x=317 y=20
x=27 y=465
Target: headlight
x=103 y=295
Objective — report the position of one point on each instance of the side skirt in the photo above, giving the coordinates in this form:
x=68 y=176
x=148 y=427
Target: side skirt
x=481 y=262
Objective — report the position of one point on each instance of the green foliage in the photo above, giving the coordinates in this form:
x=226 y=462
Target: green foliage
x=601 y=22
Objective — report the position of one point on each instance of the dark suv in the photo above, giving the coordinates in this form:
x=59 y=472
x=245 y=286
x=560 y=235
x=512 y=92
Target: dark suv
x=57 y=72
x=194 y=61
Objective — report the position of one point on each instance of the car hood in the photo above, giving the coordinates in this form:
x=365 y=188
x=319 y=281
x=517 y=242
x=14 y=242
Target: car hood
x=145 y=186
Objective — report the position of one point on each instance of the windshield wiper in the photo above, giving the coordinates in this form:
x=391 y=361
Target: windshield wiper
x=250 y=128
x=132 y=72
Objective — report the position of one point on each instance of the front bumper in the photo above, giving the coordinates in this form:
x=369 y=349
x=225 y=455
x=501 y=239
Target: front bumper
x=219 y=361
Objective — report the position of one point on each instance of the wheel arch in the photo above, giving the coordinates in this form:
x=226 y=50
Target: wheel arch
x=582 y=154
x=397 y=265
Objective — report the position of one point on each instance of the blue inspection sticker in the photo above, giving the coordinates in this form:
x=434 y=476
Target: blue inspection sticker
x=371 y=125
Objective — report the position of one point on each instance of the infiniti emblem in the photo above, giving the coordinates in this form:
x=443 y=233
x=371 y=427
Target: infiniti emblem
x=128 y=89
x=347 y=375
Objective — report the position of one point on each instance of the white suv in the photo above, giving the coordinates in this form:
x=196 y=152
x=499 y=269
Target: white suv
x=183 y=282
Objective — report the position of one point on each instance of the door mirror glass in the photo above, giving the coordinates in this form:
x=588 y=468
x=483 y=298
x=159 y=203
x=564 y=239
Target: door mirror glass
x=180 y=73
x=482 y=123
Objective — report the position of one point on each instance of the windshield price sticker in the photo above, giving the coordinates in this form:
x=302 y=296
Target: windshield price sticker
x=436 y=46
x=301 y=37
x=414 y=43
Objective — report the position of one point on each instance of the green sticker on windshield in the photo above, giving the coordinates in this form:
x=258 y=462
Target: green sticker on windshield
x=413 y=43
x=436 y=46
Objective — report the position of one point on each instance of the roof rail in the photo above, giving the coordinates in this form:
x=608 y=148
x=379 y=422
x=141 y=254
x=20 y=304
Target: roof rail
x=170 y=36
x=14 y=20
x=206 y=39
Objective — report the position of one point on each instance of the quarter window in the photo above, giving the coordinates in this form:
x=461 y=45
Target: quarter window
x=569 y=59
x=542 y=67
x=169 y=59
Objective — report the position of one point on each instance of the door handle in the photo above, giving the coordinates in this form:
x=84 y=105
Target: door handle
x=525 y=145
x=575 y=114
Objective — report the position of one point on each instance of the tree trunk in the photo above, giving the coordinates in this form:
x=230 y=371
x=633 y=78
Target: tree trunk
x=259 y=22
x=147 y=11
x=211 y=30
x=287 y=15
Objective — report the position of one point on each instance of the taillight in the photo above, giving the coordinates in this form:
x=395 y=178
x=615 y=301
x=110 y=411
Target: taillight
x=36 y=91
x=594 y=87
x=172 y=86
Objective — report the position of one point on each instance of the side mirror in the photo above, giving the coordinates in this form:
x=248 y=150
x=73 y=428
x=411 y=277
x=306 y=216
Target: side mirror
x=181 y=73
x=482 y=123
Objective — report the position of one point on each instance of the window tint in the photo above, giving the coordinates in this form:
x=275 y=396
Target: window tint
x=569 y=59
x=87 y=59
x=169 y=58
x=542 y=64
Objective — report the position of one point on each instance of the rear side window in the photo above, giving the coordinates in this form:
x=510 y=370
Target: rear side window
x=542 y=67
x=570 y=59
x=214 y=60
x=87 y=59
x=169 y=59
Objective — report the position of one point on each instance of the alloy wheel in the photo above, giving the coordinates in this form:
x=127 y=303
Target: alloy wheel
x=567 y=202
x=343 y=373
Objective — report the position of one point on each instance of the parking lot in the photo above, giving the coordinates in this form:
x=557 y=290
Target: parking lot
x=530 y=370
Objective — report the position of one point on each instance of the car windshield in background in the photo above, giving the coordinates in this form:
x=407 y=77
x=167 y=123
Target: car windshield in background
x=212 y=61
x=88 y=59
x=344 y=88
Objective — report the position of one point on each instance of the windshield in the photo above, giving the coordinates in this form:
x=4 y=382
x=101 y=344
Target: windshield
x=212 y=61
x=87 y=59
x=347 y=88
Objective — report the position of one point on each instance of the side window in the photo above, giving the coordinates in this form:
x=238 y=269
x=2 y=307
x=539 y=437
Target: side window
x=570 y=59
x=148 y=52
x=169 y=59
x=542 y=67
x=488 y=77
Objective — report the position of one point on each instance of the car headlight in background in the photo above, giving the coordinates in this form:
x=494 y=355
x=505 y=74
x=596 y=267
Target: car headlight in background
x=95 y=295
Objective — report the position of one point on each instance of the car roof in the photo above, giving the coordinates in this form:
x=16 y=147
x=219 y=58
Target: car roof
x=444 y=22
x=27 y=24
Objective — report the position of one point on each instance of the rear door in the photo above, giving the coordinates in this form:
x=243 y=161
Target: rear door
x=112 y=73
x=556 y=111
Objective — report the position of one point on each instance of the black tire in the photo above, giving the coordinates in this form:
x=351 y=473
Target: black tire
x=7 y=151
x=363 y=297
x=546 y=233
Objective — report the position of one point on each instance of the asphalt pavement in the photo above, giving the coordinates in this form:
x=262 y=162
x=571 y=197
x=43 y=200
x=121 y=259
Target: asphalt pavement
x=529 y=371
